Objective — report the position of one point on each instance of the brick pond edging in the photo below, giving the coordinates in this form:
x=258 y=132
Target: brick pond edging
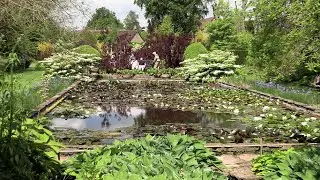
x=51 y=103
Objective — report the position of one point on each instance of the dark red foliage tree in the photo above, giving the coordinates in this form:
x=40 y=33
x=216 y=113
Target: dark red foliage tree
x=169 y=47
x=116 y=56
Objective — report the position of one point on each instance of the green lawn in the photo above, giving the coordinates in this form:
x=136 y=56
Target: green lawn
x=29 y=88
x=28 y=78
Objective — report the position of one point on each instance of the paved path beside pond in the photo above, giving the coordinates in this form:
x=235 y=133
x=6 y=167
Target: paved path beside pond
x=239 y=166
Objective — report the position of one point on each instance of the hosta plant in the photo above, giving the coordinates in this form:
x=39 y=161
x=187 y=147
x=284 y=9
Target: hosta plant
x=158 y=158
x=70 y=64
x=292 y=164
x=209 y=67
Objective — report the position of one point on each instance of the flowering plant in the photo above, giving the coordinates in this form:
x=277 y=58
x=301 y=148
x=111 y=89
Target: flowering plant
x=70 y=64
x=209 y=67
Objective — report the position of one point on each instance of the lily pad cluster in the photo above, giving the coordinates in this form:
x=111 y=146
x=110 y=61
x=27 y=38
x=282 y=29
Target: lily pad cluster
x=158 y=158
x=209 y=67
x=286 y=126
x=70 y=64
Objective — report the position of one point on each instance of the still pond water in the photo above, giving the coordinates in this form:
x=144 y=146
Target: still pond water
x=109 y=118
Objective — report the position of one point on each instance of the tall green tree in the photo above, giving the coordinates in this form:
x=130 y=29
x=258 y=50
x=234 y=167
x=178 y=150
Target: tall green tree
x=166 y=26
x=131 y=21
x=103 y=18
x=222 y=9
x=185 y=14
x=24 y=23
x=287 y=37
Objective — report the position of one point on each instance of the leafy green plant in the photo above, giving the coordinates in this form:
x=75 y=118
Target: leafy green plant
x=70 y=64
x=27 y=149
x=314 y=67
x=292 y=164
x=209 y=67
x=222 y=34
x=169 y=157
x=44 y=50
x=194 y=50
x=266 y=163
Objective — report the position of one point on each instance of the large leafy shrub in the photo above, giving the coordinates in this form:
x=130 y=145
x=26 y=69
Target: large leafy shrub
x=169 y=157
x=171 y=48
x=287 y=38
x=194 y=49
x=209 y=67
x=168 y=47
x=86 y=37
x=70 y=64
x=116 y=55
x=86 y=49
x=201 y=36
x=224 y=36
x=292 y=164
x=44 y=50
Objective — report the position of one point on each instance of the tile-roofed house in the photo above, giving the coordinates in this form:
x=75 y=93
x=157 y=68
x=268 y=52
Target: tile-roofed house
x=131 y=36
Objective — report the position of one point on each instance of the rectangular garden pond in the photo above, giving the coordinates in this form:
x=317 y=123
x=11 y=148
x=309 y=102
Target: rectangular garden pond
x=99 y=112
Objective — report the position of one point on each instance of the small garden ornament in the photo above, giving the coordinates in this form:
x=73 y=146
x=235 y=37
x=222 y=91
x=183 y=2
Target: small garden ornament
x=156 y=60
x=142 y=67
x=134 y=62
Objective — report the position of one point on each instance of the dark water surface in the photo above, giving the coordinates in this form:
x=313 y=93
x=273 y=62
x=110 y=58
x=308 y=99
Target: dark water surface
x=109 y=118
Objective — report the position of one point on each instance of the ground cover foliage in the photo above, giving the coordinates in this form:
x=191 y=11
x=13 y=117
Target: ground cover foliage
x=28 y=149
x=158 y=158
x=300 y=163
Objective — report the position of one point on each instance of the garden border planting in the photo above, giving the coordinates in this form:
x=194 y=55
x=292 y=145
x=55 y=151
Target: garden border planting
x=292 y=105
x=218 y=147
x=51 y=103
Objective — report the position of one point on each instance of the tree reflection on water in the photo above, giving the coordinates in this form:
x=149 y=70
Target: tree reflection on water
x=155 y=116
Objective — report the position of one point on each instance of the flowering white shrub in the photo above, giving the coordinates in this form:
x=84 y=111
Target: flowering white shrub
x=209 y=67
x=70 y=64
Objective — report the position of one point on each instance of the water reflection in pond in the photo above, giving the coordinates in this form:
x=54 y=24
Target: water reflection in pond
x=110 y=118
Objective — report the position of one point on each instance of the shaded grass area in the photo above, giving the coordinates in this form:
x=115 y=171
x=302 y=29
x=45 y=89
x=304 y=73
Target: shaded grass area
x=31 y=90
x=28 y=78
x=253 y=80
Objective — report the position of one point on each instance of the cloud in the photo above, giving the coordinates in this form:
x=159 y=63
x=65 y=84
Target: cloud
x=120 y=7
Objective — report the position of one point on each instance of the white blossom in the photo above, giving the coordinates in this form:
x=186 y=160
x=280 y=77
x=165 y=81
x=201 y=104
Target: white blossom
x=257 y=118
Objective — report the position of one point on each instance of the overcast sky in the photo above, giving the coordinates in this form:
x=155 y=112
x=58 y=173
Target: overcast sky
x=120 y=7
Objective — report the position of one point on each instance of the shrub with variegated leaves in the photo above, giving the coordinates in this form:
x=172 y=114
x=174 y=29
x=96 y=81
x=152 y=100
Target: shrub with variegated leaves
x=70 y=64
x=209 y=67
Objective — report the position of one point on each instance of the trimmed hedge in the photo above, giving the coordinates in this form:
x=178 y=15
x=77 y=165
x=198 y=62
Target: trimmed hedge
x=86 y=49
x=194 y=49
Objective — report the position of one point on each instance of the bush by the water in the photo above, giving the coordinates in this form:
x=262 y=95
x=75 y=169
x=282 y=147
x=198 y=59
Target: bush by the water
x=86 y=49
x=157 y=158
x=292 y=164
x=70 y=64
x=193 y=50
x=209 y=67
